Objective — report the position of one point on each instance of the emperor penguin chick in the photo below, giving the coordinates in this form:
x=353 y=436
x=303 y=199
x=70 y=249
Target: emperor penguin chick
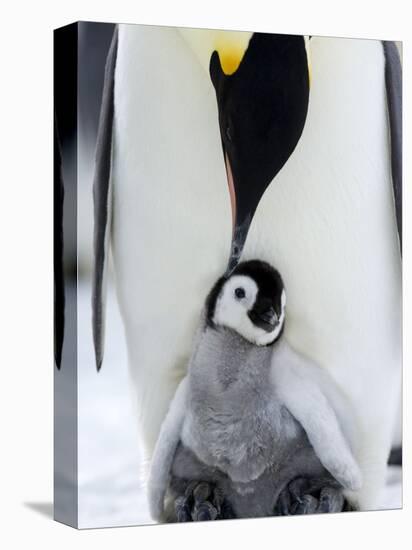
x=254 y=429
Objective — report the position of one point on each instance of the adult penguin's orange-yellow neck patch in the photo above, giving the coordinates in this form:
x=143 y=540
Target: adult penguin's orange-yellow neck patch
x=231 y=47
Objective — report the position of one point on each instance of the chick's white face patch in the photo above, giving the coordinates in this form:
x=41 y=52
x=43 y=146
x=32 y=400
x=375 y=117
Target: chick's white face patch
x=236 y=299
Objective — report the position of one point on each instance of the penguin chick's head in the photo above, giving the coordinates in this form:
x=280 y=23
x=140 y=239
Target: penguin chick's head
x=251 y=301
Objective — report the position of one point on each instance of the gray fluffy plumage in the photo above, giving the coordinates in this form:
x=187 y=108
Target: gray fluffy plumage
x=249 y=419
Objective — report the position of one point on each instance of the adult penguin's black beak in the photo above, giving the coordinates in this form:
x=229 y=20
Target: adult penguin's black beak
x=262 y=111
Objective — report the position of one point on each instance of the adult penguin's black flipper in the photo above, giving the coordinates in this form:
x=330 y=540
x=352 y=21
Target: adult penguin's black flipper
x=102 y=201
x=393 y=80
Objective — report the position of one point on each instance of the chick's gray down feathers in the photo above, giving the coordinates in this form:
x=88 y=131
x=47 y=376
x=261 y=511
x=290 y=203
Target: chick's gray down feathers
x=250 y=419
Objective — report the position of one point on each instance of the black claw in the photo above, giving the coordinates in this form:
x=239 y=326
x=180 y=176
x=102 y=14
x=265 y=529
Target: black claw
x=182 y=510
x=331 y=500
x=308 y=505
x=201 y=502
x=204 y=512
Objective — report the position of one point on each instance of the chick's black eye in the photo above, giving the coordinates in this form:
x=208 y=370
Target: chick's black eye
x=240 y=293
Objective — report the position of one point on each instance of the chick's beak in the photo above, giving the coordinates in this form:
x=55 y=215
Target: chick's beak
x=264 y=318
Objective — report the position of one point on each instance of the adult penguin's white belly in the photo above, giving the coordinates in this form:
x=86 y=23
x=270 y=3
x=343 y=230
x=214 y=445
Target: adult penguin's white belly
x=171 y=218
x=327 y=223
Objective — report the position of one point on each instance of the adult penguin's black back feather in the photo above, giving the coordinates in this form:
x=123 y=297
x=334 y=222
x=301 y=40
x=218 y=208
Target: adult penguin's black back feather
x=393 y=81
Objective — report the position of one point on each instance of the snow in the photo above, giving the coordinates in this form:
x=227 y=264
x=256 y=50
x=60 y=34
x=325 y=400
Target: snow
x=111 y=489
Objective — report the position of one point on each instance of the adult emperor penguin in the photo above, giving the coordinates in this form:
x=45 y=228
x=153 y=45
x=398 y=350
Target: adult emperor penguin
x=328 y=220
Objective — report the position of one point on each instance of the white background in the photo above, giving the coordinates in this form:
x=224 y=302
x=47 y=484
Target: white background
x=26 y=270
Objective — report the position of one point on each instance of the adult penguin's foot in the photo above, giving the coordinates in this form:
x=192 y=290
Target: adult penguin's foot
x=202 y=501
x=311 y=496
